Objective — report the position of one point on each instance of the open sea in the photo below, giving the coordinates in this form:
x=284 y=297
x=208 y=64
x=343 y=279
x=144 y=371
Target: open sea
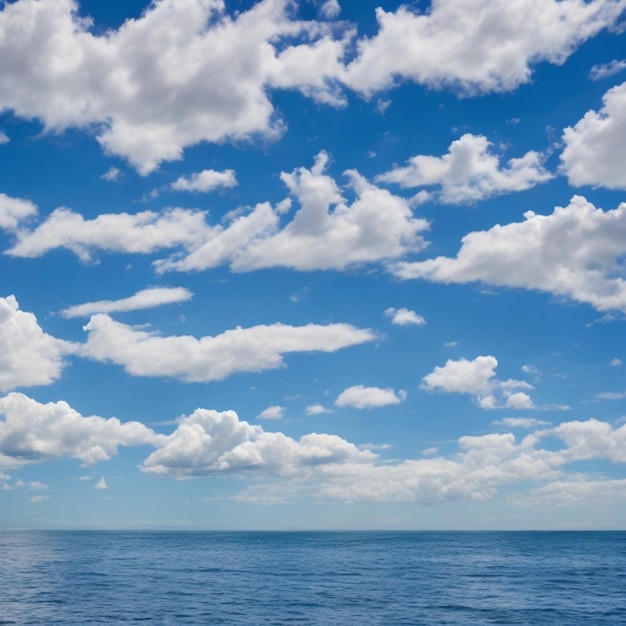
x=355 y=578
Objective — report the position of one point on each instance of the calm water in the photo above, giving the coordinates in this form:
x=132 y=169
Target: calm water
x=355 y=578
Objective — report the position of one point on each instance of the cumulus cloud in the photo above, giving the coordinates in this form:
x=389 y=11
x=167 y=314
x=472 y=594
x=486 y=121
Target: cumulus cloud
x=140 y=233
x=205 y=181
x=144 y=299
x=29 y=356
x=361 y=397
x=598 y=72
x=404 y=317
x=101 y=484
x=316 y=409
x=13 y=211
x=615 y=362
x=325 y=233
x=4 y=138
x=575 y=253
x=209 y=442
x=594 y=150
x=31 y=431
x=157 y=84
x=251 y=349
x=470 y=171
x=274 y=412
x=478 y=378
x=475 y=46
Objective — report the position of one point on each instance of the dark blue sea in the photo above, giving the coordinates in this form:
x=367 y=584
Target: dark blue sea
x=355 y=578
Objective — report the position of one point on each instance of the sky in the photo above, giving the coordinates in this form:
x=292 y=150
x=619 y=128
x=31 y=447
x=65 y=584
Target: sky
x=328 y=264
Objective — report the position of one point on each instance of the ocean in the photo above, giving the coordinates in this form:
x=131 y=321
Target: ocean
x=321 y=578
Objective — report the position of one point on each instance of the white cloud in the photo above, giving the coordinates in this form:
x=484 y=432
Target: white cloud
x=144 y=299
x=478 y=378
x=597 y=72
x=574 y=252
x=575 y=490
x=611 y=395
x=469 y=172
x=316 y=409
x=13 y=211
x=361 y=397
x=112 y=174
x=32 y=432
x=205 y=181
x=274 y=412
x=325 y=233
x=330 y=8
x=475 y=46
x=101 y=484
x=208 y=442
x=592 y=439
x=404 y=317
x=615 y=362
x=38 y=499
x=4 y=138
x=594 y=151
x=140 y=233
x=157 y=84
x=29 y=356
x=520 y=422
x=251 y=349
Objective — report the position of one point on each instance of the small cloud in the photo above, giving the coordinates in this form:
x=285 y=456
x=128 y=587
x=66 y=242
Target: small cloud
x=605 y=70
x=37 y=486
x=361 y=397
x=430 y=451
x=520 y=422
x=519 y=400
x=112 y=174
x=274 y=412
x=38 y=499
x=615 y=363
x=404 y=317
x=85 y=478
x=101 y=484
x=451 y=344
x=3 y=138
x=330 y=9
x=205 y=181
x=381 y=105
x=316 y=409
x=611 y=395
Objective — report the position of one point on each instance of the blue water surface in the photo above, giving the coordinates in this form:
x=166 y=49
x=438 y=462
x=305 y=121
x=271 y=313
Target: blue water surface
x=355 y=578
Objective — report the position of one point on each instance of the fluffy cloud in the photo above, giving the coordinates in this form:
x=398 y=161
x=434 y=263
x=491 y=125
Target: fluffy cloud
x=141 y=233
x=361 y=397
x=144 y=299
x=205 y=181
x=593 y=439
x=31 y=431
x=252 y=349
x=574 y=252
x=13 y=211
x=477 y=378
x=594 y=151
x=101 y=484
x=29 y=356
x=325 y=233
x=475 y=45
x=469 y=172
x=404 y=317
x=316 y=409
x=157 y=84
x=208 y=442
x=274 y=412
x=4 y=138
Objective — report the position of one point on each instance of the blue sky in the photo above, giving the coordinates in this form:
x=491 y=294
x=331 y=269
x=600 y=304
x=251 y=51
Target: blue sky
x=320 y=264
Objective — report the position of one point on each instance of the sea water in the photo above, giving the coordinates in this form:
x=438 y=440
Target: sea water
x=325 y=578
